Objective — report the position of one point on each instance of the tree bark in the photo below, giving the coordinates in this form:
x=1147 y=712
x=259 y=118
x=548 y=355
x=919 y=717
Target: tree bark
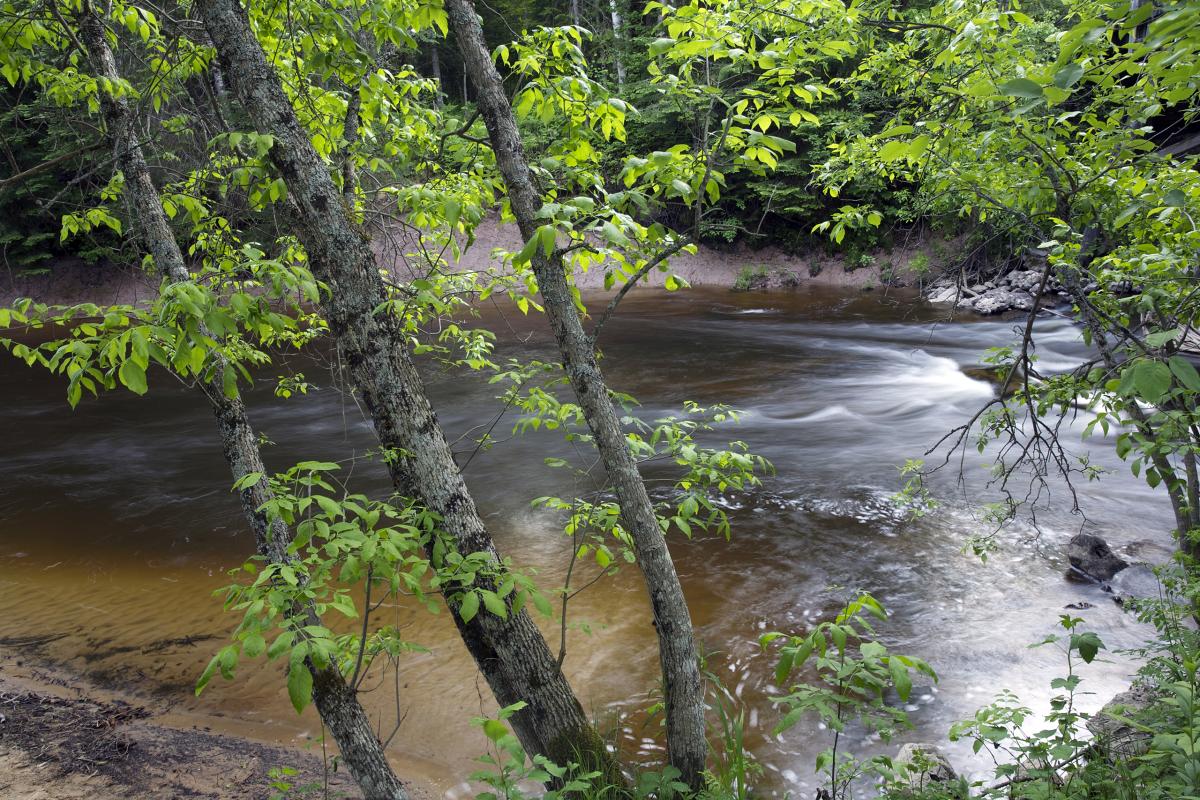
x=335 y=701
x=435 y=70
x=510 y=652
x=618 y=41
x=686 y=743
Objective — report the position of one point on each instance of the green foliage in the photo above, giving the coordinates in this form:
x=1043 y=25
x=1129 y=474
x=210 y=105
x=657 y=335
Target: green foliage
x=750 y=278
x=702 y=474
x=344 y=543
x=854 y=672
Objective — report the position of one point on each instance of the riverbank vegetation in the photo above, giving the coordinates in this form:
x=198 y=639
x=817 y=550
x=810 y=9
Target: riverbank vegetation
x=258 y=158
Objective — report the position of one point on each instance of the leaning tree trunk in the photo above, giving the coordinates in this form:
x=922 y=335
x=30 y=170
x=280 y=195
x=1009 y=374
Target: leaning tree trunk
x=336 y=702
x=510 y=651
x=686 y=743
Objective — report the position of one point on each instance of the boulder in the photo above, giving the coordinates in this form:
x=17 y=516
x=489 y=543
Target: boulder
x=944 y=294
x=1027 y=280
x=997 y=301
x=1137 y=582
x=1114 y=737
x=1091 y=556
x=1022 y=301
x=922 y=765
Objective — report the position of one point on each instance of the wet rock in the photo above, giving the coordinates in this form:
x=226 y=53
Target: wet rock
x=1092 y=556
x=923 y=765
x=997 y=301
x=1136 y=583
x=1146 y=551
x=1115 y=738
x=1026 y=280
x=944 y=294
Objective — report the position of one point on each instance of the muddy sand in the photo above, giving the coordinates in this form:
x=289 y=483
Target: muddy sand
x=63 y=739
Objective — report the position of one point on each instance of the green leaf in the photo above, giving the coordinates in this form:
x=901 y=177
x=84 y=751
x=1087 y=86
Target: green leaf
x=452 y=209
x=784 y=667
x=254 y=645
x=469 y=607
x=1183 y=370
x=660 y=46
x=613 y=235
x=1022 y=87
x=897 y=148
x=133 y=377
x=541 y=603
x=1159 y=338
x=1175 y=199
x=1088 y=645
x=494 y=729
x=547 y=234
x=494 y=604
x=207 y=675
x=1068 y=76
x=900 y=677
x=229 y=382
x=527 y=251
x=1151 y=380
x=247 y=480
x=345 y=604
x=299 y=684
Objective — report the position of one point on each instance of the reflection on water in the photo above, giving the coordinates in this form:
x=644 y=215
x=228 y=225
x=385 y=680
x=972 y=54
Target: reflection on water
x=116 y=525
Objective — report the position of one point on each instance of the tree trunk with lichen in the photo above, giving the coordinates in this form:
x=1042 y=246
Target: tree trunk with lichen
x=686 y=743
x=510 y=651
x=335 y=700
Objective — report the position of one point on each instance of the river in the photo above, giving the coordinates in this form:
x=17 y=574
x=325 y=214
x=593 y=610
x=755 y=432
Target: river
x=116 y=525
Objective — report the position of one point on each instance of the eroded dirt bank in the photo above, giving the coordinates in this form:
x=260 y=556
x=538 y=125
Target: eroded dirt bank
x=73 y=282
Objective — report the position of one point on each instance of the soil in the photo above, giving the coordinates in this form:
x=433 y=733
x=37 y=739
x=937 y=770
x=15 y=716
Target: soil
x=62 y=740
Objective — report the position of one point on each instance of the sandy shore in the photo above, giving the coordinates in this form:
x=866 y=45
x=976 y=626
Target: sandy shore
x=76 y=282
x=64 y=739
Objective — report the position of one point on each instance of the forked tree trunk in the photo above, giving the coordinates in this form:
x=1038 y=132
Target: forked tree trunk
x=686 y=743
x=335 y=701
x=510 y=652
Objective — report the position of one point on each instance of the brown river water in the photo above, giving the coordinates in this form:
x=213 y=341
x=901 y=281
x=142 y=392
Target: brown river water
x=117 y=523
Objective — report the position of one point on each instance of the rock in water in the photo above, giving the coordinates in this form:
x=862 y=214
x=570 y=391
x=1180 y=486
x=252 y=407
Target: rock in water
x=1022 y=301
x=996 y=301
x=1026 y=280
x=1136 y=583
x=946 y=294
x=1116 y=738
x=1092 y=556
x=924 y=764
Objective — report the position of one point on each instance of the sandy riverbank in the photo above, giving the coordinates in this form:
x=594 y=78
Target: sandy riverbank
x=62 y=738
x=76 y=282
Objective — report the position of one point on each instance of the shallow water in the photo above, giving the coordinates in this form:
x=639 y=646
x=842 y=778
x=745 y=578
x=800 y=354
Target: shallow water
x=116 y=524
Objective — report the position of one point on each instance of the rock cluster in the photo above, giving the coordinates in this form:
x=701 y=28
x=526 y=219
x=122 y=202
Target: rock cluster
x=1011 y=292
x=1091 y=557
